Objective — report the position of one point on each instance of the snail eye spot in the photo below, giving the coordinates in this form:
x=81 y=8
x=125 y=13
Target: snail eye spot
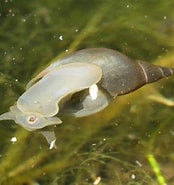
x=32 y=119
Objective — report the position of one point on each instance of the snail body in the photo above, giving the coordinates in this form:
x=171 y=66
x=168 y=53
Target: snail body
x=80 y=84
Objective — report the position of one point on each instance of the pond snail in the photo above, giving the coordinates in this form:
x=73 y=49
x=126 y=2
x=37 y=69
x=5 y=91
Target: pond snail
x=80 y=84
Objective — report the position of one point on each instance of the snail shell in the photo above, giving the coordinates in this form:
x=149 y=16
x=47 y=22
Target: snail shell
x=120 y=74
x=81 y=84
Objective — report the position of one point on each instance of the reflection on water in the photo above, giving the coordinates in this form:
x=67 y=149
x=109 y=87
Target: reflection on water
x=124 y=143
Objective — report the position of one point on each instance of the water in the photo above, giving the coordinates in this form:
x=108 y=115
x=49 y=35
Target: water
x=115 y=146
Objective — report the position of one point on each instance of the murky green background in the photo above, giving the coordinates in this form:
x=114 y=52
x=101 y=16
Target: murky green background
x=115 y=146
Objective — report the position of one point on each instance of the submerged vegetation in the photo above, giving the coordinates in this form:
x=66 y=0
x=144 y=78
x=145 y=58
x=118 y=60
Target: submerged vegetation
x=128 y=143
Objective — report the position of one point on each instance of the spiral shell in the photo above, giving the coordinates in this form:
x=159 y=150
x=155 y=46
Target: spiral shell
x=81 y=84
